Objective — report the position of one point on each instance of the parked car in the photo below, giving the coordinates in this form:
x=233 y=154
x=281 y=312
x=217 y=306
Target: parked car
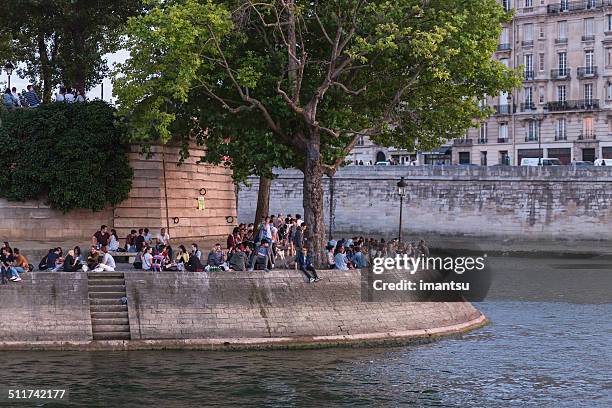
x=383 y=163
x=580 y=163
x=603 y=162
x=540 y=162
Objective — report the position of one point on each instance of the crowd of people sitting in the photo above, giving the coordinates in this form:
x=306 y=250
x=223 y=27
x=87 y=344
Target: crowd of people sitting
x=275 y=240
x=12 y=100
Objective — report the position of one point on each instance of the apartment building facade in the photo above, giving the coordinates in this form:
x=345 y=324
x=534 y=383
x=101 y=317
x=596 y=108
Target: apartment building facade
x=563 y=108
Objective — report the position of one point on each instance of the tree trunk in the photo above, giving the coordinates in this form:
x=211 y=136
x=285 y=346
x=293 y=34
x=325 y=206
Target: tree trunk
x=45 y=74
x=263 y=201
x=313 y=200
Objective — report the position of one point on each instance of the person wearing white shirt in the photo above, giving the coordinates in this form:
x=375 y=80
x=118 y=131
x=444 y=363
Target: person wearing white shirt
x=16 y=99
x=69 y=96
x=108 y=262
x=163 y=238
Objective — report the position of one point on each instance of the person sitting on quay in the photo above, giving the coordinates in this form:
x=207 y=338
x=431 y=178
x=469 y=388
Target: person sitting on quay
x=101 y=237
x=7 y=264
x=72 y=262
x=194 y=264
x=69 y=95
x=182 y=258
x=303 y=262
x=238 y=260
x=107 y=264
x=148 y=237
x=147 y=259
x=93 y=259
x=340 y=258
x=21 y=262
x=163 y=239
x=139 y=241
x=358 y=259
x=113 y=244
x=8 y=101
x=234 y=238
x=32 y=99
x=216 y=257
x=60 y=96
x=195 y=251
x=130 y=241
x=331 y=260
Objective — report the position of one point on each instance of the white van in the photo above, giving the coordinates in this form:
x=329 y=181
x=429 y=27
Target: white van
x=540 y=162
x=600 y=162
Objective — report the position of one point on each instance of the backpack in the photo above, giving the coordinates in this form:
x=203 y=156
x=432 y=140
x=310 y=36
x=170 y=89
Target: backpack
x=194 y=264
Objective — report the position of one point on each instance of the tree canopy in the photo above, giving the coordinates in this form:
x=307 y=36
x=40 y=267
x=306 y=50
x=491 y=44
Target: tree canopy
x=310 y=77
x=62 y=41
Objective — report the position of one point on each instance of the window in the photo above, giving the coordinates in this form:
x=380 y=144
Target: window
x=562 y=58
x=589 y=60
x=541 y=94
x=503 y=132
x=360 y=141
x=541 y=62
x=608 y=57
x=561 y=130
x=609 y=92
x=528 y=96
x=609 y=22
x=561 y=93
x=588 y=26
x=483 y=131
x=505 y=36
x=587 y=127
x=542 y=32
x=528 y=32
x=591 y=4
x=528 y=62
x=507 y=5
x=532 y=130
x=528 y=3
x=562 y=30
x=483 y=158
x=564 y=5
x=588 y=92
x=505 y=62
x=504 y=158
x=464 y=158
x=482 y=103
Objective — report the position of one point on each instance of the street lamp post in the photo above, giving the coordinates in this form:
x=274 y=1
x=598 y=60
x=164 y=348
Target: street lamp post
x=401 y=191
x=9 y=70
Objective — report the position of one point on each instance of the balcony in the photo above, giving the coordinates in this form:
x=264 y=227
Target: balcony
x=528 y=106
x=531 y=138
x=502 y=140
x=527 y=43
x=587 y=135
x=587 y=72
x=560 y=40
x=504 y=47
x=560 y=137
x=505 y=109
x=560 y=74
x=483 y=140
x=580 y=104
x=529 y=75
x=580 y=5
x=588 y=38
x=462 y=142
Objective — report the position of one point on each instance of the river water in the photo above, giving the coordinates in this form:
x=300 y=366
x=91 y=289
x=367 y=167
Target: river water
x=549 y=345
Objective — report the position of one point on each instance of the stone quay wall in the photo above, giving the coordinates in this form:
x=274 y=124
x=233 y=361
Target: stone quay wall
x=221 y=310
x=46 y=306
x=503 y=202
x=151 y=203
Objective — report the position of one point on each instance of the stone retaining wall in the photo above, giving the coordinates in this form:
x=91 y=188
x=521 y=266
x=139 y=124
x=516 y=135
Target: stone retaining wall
x=510 y=201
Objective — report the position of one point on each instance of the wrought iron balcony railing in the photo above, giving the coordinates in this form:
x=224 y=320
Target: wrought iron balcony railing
x=562 y=73
x=505 y=109
x=569 y=105
x=504 y=47
x=527 y=106
x=528 y=75
x=483 y=140
x=580 y=5
x=587 y=72
x=587 y=135
x=462 y=142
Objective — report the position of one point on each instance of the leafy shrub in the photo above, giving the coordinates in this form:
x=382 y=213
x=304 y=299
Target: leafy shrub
x=71 y=155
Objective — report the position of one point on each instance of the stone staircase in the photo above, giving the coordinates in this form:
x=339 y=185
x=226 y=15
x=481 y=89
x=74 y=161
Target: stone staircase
x=109 y=316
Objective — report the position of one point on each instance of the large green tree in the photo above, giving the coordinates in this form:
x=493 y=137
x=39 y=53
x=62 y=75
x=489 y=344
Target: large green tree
x=63 y=41
x=312 y=76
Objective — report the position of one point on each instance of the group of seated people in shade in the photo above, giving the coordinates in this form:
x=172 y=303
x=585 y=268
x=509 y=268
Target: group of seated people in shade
x=275 y=239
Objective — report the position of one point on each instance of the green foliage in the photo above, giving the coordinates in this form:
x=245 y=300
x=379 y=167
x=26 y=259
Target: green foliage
x=63 y=41
x=72 y=155
x=407 y=73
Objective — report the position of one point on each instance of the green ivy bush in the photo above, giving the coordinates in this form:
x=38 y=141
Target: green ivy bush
x=70 y=155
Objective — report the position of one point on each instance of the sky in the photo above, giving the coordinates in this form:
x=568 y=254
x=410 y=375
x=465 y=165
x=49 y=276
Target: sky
x=119 y=56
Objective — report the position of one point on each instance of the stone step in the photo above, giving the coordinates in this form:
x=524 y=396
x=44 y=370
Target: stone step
x=104 y=275
x=106 y=281
x=111 y=328
x=106 y=321
x=95 y=301
x=109 y=315
x=106 y=288
x=112 y=336
x=107 y=308
x=106 y=295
